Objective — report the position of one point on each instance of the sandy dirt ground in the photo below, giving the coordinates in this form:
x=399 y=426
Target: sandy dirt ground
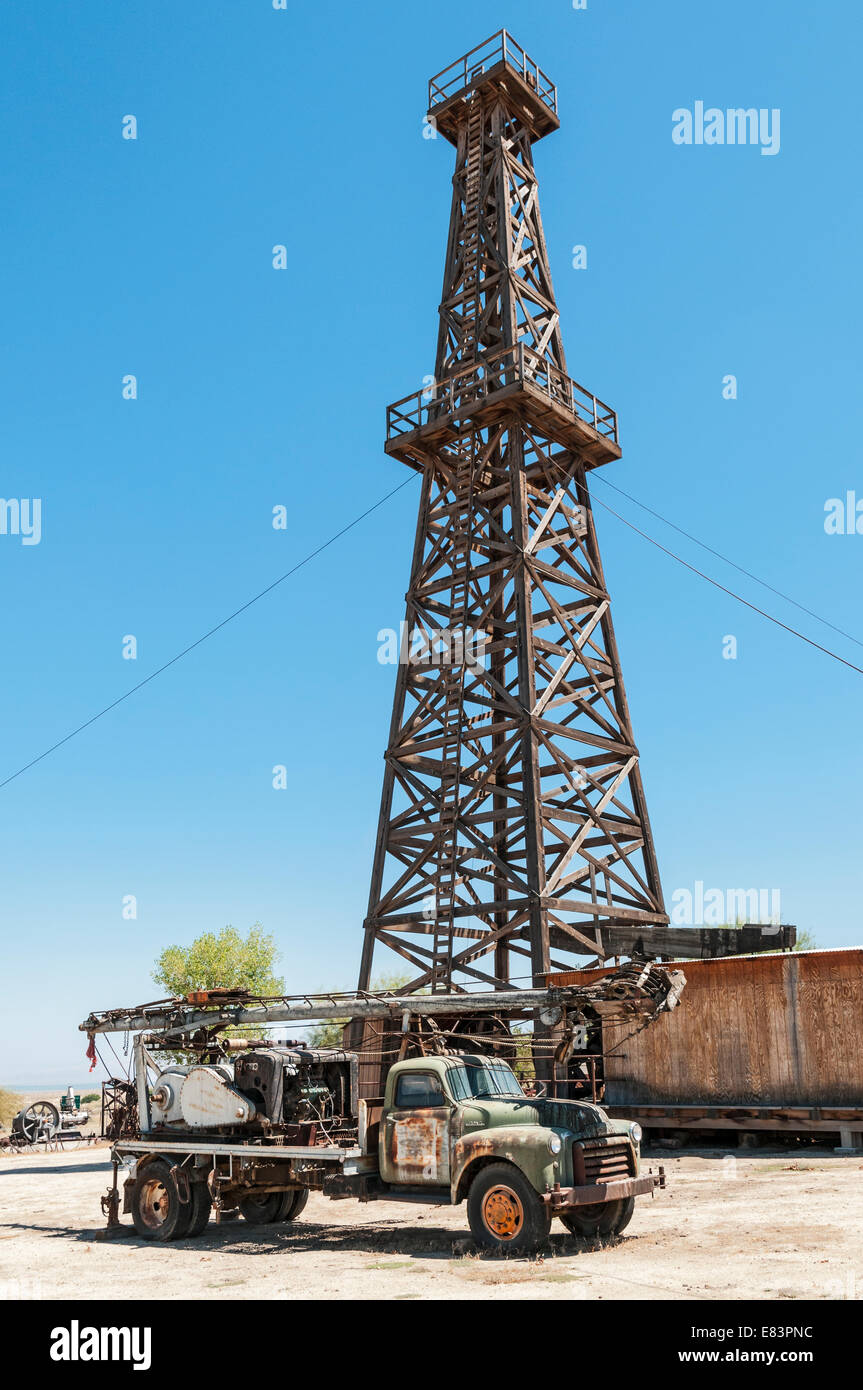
x=772 y=1226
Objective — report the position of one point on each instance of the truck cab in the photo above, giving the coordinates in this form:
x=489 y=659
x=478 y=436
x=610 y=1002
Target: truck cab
x=462 y=1126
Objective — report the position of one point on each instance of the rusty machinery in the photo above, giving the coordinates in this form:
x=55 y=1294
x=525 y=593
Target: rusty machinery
x=44 y=1122
x=309 y=1095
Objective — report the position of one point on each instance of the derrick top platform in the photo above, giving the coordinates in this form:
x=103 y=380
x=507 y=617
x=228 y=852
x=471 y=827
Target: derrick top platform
x=498 y=64
x=514 y=380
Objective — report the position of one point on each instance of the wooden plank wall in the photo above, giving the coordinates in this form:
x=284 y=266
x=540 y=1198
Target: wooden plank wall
x=749 y=1030
x=378 y=1049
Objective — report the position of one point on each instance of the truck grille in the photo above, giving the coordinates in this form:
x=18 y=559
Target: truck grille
x=603 y=1160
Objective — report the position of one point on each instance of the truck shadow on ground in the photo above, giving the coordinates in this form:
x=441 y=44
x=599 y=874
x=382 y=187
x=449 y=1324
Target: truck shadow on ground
x=375 y=1238
x=49 y=1169
x=383 y=1238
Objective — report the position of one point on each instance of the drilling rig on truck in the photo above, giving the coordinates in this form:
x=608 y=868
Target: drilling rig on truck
x=251 y=1126
x=513 y=835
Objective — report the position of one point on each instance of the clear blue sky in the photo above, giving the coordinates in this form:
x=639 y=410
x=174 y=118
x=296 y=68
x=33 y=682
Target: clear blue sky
x=259 y=387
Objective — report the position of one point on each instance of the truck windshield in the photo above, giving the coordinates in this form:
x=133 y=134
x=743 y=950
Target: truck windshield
x=477 y=1079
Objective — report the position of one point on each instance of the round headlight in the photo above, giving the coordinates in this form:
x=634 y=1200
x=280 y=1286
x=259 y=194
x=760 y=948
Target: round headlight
x=635 y=1132
x=555 y=1144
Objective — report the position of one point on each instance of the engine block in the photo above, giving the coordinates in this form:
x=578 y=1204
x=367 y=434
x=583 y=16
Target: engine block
x=297 y=1085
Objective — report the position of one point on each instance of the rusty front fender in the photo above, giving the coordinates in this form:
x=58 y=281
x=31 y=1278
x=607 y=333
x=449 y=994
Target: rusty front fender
x=526 y=1146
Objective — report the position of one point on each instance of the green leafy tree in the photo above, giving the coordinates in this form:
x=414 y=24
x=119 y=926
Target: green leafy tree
x=806 y=941
x=523 y=1063
x=329 y=1034
x=221 y=960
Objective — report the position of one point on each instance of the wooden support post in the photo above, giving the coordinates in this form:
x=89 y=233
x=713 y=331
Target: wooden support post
x=850 y=1141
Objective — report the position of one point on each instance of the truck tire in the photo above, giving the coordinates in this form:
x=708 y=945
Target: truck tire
x=294 y=1202
x=270 y=1207
x=157 y=1212
x=263 y=1208
x=600 y=1219
x=505 y=1213
x=201 y=1205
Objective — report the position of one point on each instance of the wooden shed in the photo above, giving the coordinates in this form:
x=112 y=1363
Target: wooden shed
x=767 y=1042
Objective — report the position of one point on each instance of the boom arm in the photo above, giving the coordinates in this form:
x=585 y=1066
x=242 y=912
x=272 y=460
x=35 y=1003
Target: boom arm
x=636 y=988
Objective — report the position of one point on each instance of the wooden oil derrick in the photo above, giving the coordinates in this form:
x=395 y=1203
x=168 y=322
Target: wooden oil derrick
x=513 y=830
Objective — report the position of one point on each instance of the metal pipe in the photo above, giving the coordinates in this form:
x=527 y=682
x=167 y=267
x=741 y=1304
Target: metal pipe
x=308 y=1010
x=360 y=1005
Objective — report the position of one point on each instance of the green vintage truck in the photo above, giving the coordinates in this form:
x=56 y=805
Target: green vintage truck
x=253 y=1137
x=463 y=1128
